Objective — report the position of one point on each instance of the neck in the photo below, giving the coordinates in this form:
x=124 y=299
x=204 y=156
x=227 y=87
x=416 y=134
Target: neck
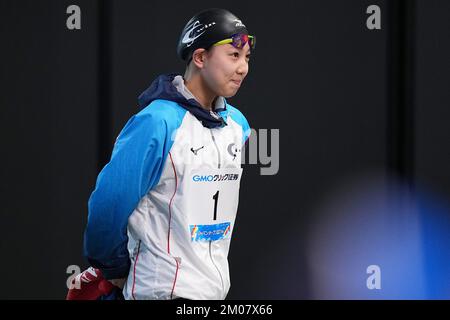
x=200 y=90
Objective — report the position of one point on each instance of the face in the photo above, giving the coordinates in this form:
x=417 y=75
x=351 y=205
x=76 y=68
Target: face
x=225 y=68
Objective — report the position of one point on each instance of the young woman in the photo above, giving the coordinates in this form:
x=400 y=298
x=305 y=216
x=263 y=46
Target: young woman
x=163 y=209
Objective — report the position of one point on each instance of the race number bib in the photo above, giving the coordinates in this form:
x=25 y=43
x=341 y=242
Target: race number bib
x=210 y=202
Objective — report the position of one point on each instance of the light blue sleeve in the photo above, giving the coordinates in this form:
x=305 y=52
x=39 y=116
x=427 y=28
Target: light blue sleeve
x=135 y=167
x=242 y=121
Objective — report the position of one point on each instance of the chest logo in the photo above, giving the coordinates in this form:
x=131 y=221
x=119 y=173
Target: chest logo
x=233 y=150
x=194 y=151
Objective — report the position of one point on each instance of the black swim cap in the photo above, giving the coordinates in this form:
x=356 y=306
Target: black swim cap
x=206 y=28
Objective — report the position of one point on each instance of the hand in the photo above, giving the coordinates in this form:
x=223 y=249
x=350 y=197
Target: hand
x=89 y=285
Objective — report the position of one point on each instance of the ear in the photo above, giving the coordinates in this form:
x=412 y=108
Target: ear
x=198 y=57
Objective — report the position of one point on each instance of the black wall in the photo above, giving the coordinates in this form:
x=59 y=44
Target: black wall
x=318 y=75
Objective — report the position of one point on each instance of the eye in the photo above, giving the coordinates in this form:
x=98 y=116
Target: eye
x=235 y=54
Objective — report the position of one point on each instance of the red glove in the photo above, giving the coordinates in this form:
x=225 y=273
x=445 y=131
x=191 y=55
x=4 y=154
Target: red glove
x=91 y=286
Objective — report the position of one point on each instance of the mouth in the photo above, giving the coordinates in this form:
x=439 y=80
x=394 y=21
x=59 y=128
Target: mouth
x=237 y=82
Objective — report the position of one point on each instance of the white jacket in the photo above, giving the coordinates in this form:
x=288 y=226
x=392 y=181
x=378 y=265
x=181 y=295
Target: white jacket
x=164 y=207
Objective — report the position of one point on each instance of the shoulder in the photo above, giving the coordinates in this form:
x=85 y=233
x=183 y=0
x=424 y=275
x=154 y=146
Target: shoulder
x=160 y=110
x=241 y=120
x=159 y=119
x=237 y=116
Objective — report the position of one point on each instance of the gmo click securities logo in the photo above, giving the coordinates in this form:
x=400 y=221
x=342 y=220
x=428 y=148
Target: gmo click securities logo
x=215 y=177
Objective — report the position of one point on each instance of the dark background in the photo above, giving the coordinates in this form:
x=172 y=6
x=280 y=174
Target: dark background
x=348 y=101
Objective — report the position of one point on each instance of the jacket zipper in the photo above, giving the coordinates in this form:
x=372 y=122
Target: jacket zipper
x=210 y=242
x=218 y=152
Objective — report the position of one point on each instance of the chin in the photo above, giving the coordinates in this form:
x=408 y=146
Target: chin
x=230 y=94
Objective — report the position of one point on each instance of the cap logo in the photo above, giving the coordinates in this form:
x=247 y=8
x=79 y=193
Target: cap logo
x=195 y=31
x=239 y=23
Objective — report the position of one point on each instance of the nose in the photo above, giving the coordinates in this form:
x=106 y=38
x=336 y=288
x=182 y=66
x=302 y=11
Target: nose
x=242 y=68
